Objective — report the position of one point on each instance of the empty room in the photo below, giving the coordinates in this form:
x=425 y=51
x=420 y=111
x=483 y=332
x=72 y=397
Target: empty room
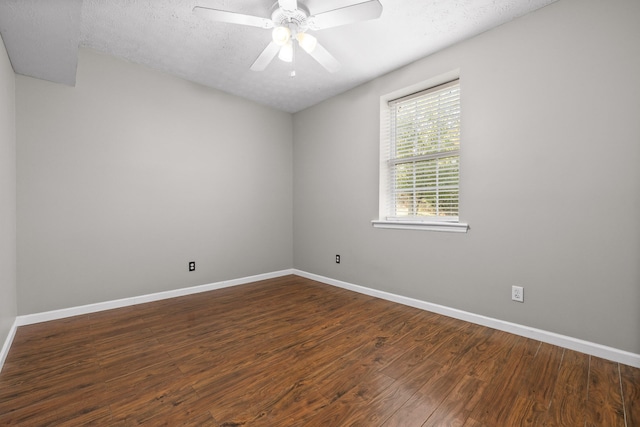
x=320 y=213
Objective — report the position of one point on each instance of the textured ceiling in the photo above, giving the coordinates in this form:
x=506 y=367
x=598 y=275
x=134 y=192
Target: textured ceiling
x=42 y=39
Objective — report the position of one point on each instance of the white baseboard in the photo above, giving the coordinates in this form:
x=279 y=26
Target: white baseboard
x=598 y=350
x=571 y=343
x=29 y=319
x=7 y=344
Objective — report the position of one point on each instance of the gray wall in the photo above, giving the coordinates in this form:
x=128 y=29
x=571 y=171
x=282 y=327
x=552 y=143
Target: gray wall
x=130 y=175
x=550 y=181
x=7 y=195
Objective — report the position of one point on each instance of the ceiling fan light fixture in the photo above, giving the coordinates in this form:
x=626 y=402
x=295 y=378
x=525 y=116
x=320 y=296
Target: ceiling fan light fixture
x=281 y=35
x=290 y=19
x=307 y=42
x=286 y=52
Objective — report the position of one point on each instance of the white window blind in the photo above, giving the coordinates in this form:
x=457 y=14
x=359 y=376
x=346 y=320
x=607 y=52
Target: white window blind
x=423 y=155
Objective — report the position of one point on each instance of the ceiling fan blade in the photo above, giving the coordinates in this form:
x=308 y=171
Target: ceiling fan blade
x=288 y=4
x=371 y=9
x=266 y=57
x=325 y=59
x=232 y=17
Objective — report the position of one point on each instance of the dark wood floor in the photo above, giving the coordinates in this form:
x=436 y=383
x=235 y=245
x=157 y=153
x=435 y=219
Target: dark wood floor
x=293 y=352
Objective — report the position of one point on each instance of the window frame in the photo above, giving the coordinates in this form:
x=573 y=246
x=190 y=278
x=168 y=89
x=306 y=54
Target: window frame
x=385 y=219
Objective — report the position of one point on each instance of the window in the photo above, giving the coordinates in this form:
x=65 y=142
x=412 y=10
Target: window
x=420 y=153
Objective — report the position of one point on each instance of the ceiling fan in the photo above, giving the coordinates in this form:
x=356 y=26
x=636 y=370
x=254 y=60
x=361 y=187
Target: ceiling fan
x=291 y=22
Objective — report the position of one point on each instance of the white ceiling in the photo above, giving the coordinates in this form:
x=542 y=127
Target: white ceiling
x=42 y=38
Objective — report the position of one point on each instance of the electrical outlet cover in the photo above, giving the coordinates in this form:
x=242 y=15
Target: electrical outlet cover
x=517 y=293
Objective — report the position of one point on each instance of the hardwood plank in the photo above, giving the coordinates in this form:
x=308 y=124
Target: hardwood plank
x=407 y=361
x=453 y=344
x=604 y=400
x=524 y=412
x=498 y=399
x=347 y=408
x=169 y=420
x=122 y=360
x=37 y=414
x=164 y=403
x=569 y=398
x=539 y=383
x=536 y=388
x=533 y=385
x=55 y=389
x=396 y=396
x=456 y=408
x=470 y=422
x=485 y=359
x=415 y=411
x=631 y=392
x=83 y=414
x=291 y=406
x=340 y=375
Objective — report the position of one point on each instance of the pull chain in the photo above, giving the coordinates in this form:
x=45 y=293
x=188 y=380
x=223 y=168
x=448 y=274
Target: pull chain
x=292 y=74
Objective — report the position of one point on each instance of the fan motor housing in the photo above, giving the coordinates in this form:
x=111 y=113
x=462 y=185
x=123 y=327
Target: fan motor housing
x=283 y=17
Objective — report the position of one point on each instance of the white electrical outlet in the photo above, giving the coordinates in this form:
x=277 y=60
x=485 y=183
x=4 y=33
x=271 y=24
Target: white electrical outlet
x=517 y=293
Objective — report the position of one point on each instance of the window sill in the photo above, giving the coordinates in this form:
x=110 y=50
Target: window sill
x=452 y=227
